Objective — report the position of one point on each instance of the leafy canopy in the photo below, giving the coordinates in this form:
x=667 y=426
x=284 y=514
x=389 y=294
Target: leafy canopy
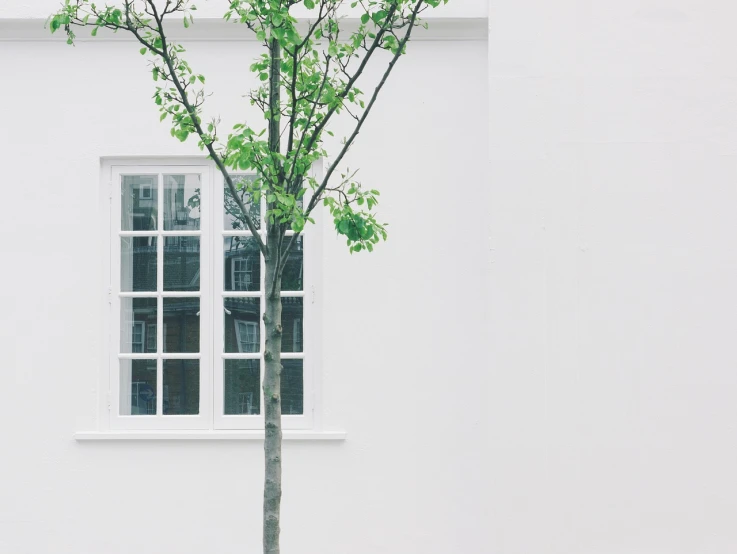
x=306 y=76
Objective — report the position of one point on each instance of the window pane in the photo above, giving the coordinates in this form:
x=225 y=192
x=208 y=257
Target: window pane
x=137 y=387
x=136 y=314
x=291 y=322
x=233 y=219
x=294 y=268
x=242 y=387
x=181 y=325
x=138 y=264
x=242 y=259
x=139 y=203
x=181 y=263
x=182 y=202
x=292 y=387
x=242 y=316
x=181 y=387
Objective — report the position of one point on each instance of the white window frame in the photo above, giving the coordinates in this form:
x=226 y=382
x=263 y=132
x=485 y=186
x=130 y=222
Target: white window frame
x=158 y=421
x=212 y=356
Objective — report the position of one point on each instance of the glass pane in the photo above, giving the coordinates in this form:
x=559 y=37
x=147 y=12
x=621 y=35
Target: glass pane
x=182 y=202
x=137 y=387
x=181 y=325
x=137 y=264
x=291 y=322
x=242 y=259
x=181 y=263
x=233 y=219
x=292 y=387
x=139 y=203
x=242 y=331
x=181 y=387
x=136 y=315
x=294 y=268
x=242 y=386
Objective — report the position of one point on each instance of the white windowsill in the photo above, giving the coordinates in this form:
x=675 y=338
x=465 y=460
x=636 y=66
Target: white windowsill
x=206 y=435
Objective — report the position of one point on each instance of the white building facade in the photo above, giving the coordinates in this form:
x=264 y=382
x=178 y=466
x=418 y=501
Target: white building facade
x=539 y=360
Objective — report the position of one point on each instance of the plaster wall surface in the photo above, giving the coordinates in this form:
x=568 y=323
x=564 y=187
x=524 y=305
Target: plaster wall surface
x=613 y=131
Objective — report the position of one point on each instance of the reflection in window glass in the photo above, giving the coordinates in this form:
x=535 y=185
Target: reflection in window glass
x=137 y=387
x=181 y=325
x=181 y=263
x=292 y=387
x=139 y=203
x=182 y=202
x=294 y=267
x=136 y=315
x=242 y=387
x=138 y=264
x=291 y=321
x=233 y=219
x=242 y=330
x=242 y=259
x=151 y=345
x=181 y=387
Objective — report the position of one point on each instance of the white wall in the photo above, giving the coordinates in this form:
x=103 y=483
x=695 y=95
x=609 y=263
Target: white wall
x=613 y=370
x=216 y=8
x=409 y=478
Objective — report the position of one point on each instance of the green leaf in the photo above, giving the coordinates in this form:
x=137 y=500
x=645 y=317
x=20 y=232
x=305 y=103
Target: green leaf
x=309 y=4
x=277 y=19
x=365 y=18
x=344 y=226
x=186 y=23
x=94 y=31
x=261 y=35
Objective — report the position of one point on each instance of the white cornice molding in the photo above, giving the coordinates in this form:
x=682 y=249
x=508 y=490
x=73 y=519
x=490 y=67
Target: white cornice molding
x=451 y=28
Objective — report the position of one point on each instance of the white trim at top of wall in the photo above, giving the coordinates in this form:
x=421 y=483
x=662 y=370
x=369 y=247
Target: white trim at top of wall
x=211 y=29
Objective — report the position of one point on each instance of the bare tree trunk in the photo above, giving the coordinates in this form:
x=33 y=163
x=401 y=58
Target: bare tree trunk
x=272 y=399
x=273 y=329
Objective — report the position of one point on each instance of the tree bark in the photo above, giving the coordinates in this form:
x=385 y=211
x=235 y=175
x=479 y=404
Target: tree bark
x=272 y=399
x=273 y=330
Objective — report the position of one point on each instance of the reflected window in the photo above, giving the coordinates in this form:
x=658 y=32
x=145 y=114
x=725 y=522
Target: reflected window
x=247 y=334
x=137 y=336
x=242 y=274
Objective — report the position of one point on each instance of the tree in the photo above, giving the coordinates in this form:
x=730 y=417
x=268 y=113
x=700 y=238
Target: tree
x=309 y=74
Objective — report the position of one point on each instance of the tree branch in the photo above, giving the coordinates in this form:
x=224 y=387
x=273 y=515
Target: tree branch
x=198 y=128
x=318 y=192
